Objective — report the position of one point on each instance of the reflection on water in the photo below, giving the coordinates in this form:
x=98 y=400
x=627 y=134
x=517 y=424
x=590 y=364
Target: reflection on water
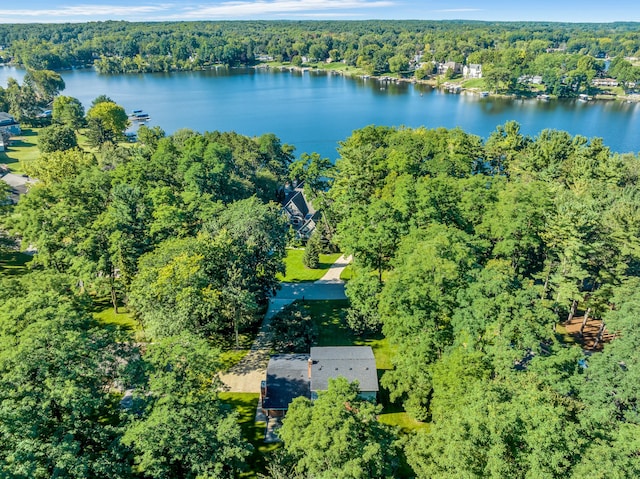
x=315 y=110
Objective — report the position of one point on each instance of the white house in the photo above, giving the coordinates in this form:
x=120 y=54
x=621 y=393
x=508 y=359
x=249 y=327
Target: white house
x=473 y=70
x=611 y=82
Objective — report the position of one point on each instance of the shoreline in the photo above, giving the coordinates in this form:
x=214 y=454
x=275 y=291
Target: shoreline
x=435 y=83
x=453 y=87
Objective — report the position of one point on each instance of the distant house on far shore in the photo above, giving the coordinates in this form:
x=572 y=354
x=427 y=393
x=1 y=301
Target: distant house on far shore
x=610 y=82
x=455 y=67
x=530 y=79
x=473 y=70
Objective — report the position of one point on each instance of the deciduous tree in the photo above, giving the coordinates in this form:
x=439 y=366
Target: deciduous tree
x=56 y=138
x=338 y=436
x=107 y=123
x=181 y=429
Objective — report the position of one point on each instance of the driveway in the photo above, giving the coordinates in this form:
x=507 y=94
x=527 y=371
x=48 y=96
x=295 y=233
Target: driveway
x=246 y=376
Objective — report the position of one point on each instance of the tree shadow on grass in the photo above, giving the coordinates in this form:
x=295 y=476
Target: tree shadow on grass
x=14 y=263
x=245 y=405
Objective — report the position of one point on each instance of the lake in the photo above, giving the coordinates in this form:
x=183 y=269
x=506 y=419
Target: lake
x=315 y=110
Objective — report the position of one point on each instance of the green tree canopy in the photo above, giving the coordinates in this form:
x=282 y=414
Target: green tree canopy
x=338 y=436
x=56 y=138
x=179 y=428
x=58 y=416
x=68 y=111
x=107 y=122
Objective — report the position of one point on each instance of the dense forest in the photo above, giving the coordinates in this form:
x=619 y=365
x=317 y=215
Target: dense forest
x=181 y=230
x=470 y=253
x=567 y=57
x=470 y=257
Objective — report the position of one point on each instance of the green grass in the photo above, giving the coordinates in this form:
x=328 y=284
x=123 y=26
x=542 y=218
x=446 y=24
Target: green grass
x=347 y=273
x=334 y=66
x=563 y=335
x=23 y=149
x=297 y=272
x=474 y=83
x=231 y=357
x=104 y=313
x=329 y=318
x=226 y=343
x=123 y=319
x=245 y=405
x=403 y=421
x=339 y=66
x=14 y=263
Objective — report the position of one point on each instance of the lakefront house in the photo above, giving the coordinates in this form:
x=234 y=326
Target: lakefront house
x=9 y=124
x=473 y=70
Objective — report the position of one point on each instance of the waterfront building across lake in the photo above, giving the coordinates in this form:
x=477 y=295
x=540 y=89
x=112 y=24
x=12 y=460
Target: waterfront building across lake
x=315 y=110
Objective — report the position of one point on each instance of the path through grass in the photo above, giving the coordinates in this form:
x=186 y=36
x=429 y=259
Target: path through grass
x=297 y=272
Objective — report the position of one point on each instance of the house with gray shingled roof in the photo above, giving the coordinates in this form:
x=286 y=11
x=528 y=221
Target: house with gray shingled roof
x=293 y=375
x=355 y=363
x=300 y=213
x=8 y=123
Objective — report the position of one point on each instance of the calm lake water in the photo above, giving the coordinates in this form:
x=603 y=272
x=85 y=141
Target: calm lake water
x=314 y=111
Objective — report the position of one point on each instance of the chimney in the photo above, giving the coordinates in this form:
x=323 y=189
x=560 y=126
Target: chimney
x=309 y=363
x=263 y=389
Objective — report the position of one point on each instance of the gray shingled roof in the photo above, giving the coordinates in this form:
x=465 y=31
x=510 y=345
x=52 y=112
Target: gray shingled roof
x=299 y=201
x=355 y=363
x=287 y=379
x=6 y=119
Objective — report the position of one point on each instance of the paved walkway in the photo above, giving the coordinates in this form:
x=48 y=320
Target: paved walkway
x=246 y=376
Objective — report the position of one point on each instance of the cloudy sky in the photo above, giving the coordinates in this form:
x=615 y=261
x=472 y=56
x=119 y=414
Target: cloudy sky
x=27 y=11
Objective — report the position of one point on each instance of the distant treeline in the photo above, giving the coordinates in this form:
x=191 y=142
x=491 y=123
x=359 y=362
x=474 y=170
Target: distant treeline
x=374 y=46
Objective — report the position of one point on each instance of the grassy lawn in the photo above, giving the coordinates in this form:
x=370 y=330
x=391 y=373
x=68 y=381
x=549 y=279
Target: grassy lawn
x=403 y=421
x=297 y=272
x=334 y=66
x=563 y=335
x=245 y=405
x=474 y=83
x=339 y=66
x=103 y=311
x=83 y=142
x=14 y=263
x=23 y=149
x=231 y=357
x=329 y=318
x=347 y=273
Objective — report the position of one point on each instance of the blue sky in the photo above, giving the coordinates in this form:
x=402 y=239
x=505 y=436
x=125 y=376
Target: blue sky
x=27 y=11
